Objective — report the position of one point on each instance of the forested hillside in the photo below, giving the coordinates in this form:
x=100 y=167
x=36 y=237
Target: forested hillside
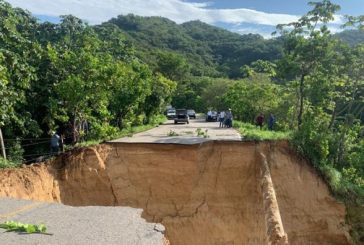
x=352 y=37
x=209 y=50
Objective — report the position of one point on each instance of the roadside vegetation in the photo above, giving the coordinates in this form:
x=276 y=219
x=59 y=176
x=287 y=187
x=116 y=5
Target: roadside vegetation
x=126 y=132
x=172 y=133
x=21 y=227
x=252 y=132
x=8 y=163
x=202 y=133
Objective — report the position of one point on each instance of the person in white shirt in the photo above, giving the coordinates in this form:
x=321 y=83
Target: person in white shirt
x=221 y=119
x=209 y=115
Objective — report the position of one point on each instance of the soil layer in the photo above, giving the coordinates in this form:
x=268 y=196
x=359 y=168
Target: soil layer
x=206 y=193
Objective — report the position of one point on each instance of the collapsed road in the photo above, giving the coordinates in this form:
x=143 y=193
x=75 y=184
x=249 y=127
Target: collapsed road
x=213 y=190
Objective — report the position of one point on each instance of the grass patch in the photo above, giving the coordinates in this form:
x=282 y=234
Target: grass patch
x=201 y=133
x=172 y=133
x=8 y=164
x=251 y=132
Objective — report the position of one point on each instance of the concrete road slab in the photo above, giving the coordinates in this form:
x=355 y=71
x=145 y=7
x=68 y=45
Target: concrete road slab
x=183 y=133
x=79 y=225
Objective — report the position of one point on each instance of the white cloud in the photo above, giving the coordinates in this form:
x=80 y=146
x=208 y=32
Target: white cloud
x=248 y=30
x=97 y=11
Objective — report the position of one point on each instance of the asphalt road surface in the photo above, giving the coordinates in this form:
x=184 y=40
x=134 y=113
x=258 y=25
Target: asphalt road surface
x=68 y=225
x=184 y=133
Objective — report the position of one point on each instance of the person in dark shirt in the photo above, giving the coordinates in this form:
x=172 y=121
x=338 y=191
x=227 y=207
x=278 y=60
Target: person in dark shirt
x=260 y=120
x=271 y=122
x=55 y=143
x=229 y=118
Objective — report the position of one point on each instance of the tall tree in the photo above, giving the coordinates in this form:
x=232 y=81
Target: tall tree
x=307 y=44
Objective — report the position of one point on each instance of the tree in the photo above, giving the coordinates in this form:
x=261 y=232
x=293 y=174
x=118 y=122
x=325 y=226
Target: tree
x=6 y=105
x=162 y=90
x=18 y=50
x=213 y=94
x=130 y=86
x=259 y=67
x=355 y=21
x=172 y=66
x=248 y=98
x=306 y=46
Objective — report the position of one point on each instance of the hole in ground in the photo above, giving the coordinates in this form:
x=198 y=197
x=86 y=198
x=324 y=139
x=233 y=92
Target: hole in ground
x=203 y=194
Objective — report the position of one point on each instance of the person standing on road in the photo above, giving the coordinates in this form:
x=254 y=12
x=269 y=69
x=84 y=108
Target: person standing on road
x=209 y=115
x=221 y=119
x=229 y=119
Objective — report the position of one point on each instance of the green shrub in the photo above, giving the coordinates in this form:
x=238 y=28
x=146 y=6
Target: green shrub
x=313 y=137
x=8 y=164
x=15 y=152
x=334 y=152
x=102 y=131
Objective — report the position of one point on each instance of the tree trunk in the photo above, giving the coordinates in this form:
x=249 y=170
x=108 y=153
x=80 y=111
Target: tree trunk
x=120 y=120
x=301 y=96
x=74 y=131
x=333 y=117
x=2 y=145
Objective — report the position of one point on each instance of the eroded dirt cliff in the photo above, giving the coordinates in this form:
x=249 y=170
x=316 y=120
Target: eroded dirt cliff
x=207 y=193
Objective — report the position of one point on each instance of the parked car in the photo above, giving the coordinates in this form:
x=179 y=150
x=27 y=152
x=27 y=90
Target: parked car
x=191 y=113
x=181 y=116
x=211 y=116
x=171 y=113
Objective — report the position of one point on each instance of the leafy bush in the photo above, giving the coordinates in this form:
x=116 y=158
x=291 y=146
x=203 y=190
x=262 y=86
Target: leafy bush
x=102 y=131
x=8 y=164
x=313 y=137
x=16 y=152
x=334 y=153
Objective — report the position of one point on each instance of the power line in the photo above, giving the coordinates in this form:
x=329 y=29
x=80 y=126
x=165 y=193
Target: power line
x=39 y=154
x=38 y=143
x=28 y=139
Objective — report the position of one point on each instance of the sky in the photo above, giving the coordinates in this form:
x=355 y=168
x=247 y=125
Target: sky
x=241 y=16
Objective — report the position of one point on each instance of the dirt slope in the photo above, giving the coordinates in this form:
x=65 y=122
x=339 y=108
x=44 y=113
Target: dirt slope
x=207 y=193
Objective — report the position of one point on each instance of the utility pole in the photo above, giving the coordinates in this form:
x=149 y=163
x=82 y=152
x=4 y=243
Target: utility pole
x=2 y=144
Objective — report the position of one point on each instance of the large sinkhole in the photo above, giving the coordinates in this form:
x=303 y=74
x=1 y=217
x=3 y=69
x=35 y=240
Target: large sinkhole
x=210 y=193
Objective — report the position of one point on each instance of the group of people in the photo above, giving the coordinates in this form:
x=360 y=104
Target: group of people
x=259 y=121
x=226 y=119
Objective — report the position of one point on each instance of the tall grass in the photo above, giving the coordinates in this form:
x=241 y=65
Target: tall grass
x=251 y=132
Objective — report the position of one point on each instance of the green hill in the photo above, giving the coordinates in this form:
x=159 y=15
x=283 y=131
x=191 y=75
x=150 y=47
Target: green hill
x=209 y=50
x=352 y=37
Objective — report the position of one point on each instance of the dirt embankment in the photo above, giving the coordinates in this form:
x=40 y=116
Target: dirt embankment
x=211 y=193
